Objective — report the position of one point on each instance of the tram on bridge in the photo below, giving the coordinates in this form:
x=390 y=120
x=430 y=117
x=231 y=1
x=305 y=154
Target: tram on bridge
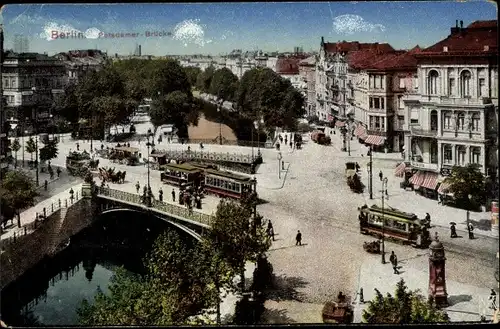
x=209 y=178
x=400 y=226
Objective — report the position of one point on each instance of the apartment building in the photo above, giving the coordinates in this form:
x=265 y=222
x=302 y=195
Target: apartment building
x=307 y=72
x=30 y=82
x=332 y=71
x=79 y=62
x=5 y=151
x=288 y=68
x=453 y=118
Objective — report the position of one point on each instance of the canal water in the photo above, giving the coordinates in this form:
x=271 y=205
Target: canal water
x=51 y=292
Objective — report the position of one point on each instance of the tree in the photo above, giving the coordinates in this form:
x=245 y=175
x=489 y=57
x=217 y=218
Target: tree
x=204 y=79
x=31 y=147
x=15 y=146
x=406 y=307
x=233 y=238
x=170 y=77
x=174 y=289
x=49 y=151
x=224 y=84
x=192 y=74
x=20 y=192
x=465 y=181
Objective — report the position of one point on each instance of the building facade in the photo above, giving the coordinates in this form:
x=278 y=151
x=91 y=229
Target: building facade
x=453 y=119
x=79 y=62
x=4 y=125
x=307 y=72
x=30 y=82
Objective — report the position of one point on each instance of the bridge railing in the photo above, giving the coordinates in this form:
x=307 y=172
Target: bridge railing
x=39 y=220
x=158 y=205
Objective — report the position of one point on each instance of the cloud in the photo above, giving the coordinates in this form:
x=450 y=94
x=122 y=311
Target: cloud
x=190 y=31
x=349 y=24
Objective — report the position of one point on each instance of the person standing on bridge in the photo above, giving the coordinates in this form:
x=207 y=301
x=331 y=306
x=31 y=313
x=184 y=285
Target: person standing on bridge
x=173 y=195
x=137 y=187
x=298 y=239
x=160 y=195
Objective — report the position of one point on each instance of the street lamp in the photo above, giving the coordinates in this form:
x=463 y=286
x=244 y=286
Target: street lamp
x=384 y=189
x=13 y=126
x=52 y=123
x=370 y=177
x=219 y=109
x=148 y=144
x=35 y=127
x=471 y=236
x=279 y=164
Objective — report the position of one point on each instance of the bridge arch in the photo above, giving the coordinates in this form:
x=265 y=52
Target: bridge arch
x=185 y=229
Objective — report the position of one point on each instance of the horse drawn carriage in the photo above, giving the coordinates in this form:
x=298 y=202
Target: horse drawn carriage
x=338 y=312
x=109 y=175
x=125 y=155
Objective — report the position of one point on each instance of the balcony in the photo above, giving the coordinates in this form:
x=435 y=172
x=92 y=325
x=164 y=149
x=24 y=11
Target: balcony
x=424 y=165
x=418 y=131
x=446 y=100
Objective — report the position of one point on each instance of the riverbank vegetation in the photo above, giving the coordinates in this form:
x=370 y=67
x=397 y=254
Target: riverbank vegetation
x=183 y=283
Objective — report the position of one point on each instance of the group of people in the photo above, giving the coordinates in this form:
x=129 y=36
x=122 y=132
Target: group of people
x=280 y=138
x=270 y=233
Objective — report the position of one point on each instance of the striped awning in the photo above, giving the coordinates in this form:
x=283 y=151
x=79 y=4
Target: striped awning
x=430 y=181
x=418 y=178
x=443 y=188
x=360 y=132
x=339 y=124
x=400 y=170
x=374 y=140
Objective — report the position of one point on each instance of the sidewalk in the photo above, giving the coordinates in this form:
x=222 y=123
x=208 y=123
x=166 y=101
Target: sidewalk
x=28 y=216
x=466 y=302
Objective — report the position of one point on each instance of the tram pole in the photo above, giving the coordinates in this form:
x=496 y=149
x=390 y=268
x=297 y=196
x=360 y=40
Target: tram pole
x=384 y=186
x=370 y=177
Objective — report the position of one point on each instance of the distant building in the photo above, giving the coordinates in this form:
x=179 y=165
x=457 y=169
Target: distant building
x=79 y=62
x=30 y=83
x=307 y=72
x=21 y=44
x=4 y=125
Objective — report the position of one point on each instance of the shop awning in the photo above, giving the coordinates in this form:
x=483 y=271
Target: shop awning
x=400 y=170
x=430 y=181
x=339 y=124
x=360 y=131
x=443 y=188
x=418 y=178
x=374 y=140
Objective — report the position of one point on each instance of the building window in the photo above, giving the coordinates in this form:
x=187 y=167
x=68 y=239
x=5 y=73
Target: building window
x=465 y=78
x=382 y=123
x=476 y=118
x=476 y=155
x=482 y=88
x=447 y=154
x=382 y=103
x=451 y=87
x=377 y=123
x=372 y=122
x=461 y=121
x=6 y=83
x=447 y=120
x=415 y=82
x=433 y=81
x=401 y=83
x=461 y=155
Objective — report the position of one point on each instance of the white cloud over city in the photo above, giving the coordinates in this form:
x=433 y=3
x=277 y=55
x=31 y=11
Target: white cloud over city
x=350 y=24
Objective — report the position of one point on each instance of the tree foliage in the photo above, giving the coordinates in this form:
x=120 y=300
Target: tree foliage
x=49 y=151
x=263 y=93
x=204 y=79
x=174 y=289
x=18 y=192
x=224 y=84
x=405 y=307
x=465 y=181
x=31 y=146
x=192 y=74
x=15 y=146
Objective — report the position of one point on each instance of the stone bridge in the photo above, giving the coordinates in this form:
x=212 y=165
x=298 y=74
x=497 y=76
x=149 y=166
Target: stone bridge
x=192 y=222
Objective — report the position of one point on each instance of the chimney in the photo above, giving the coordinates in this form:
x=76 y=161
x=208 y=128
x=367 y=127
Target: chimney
x=322 y=40
x=456 y=23
x=461 y=24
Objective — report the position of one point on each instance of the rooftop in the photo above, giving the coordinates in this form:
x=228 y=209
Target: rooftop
x=480 y=37
x=287 y=65
x=311 y=60
x=349 y=46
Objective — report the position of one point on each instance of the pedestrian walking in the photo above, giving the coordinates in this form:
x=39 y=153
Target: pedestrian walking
x=298 y=239
x=291 y=144
x=160 y=195
x=394 y=261
x=427 y=217
x=270 y=230
x=137 y=187
x=453 y=230
x=471 y=234
x=102 y=146
x=493 y=298
x=78 y=146
x=173 y=195
x=58 y=171
x=380 y=175
x=45 y=185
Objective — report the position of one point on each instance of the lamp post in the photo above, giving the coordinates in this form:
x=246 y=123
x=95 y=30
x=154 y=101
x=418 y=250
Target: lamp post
x=384 y=188
x=219 y=109
x=348 y=140
x=13 y=126
x=253 y=158
x=52 y=125
x=468 y=216
x=279 y=164
x=148 y=144
x=35 y=127
x=370 y=177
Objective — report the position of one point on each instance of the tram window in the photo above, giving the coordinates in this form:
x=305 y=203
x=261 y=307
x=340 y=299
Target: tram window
x=225 y=185
x=399 y=225
x=238 y=186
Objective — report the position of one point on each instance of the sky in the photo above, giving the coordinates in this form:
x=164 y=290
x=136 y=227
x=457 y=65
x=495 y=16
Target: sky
x=218 y=28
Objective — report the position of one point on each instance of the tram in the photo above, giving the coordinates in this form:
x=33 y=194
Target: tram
x=401 y=226
x=181 y=175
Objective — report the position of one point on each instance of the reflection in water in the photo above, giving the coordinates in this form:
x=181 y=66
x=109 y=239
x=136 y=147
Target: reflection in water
x=50 y=293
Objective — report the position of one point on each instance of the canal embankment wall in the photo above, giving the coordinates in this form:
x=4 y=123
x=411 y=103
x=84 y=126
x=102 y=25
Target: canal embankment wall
x=30 y=249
